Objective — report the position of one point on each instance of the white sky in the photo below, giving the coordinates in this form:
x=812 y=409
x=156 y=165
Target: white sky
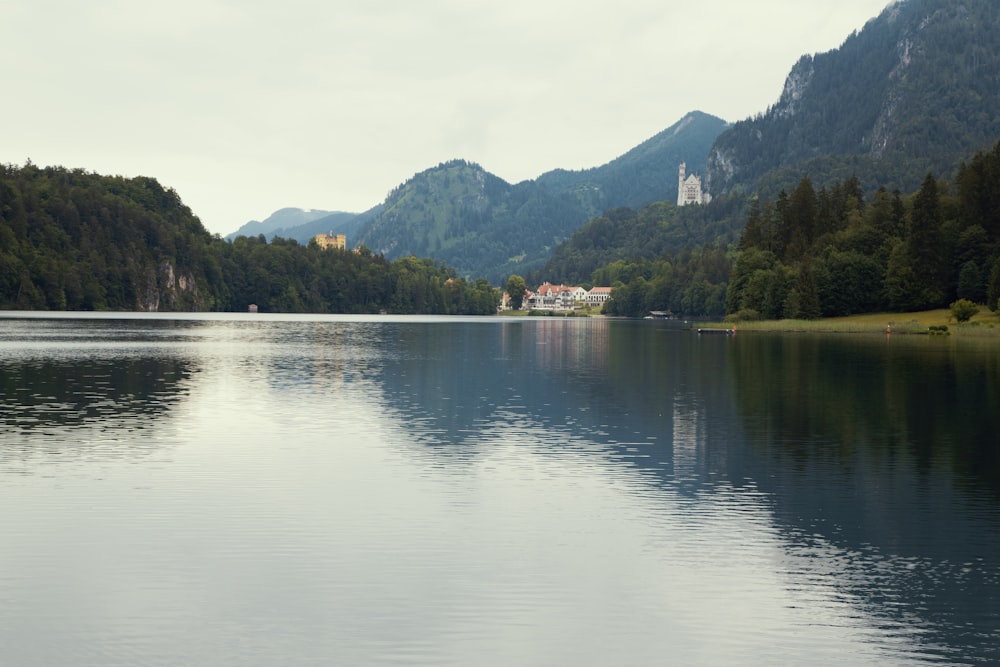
x=248 y=106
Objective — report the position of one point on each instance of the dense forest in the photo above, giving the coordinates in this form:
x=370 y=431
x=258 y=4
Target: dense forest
x=657 y=230
x=662 y=257
x=72 y=240
x=830 y=252
x=811 y=254
x=692 y=282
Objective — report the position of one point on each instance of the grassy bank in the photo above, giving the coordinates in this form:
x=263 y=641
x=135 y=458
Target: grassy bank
x=985 y=323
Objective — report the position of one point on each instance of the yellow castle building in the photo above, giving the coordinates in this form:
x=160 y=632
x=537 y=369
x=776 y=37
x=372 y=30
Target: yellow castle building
x=338 y=241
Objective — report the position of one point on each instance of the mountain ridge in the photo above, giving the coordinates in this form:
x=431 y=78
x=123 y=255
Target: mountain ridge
x=915 y=90
x=637 y=177
x=280 y=220
x=462 y=214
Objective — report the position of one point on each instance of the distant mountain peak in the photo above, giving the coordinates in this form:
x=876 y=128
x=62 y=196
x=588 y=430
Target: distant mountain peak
x=282 y=219
x=683 y=123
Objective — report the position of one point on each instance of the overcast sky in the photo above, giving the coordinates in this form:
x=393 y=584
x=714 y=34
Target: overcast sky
x=248 y=106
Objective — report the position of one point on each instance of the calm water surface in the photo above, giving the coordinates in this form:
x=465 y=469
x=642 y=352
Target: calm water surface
x=228 y=490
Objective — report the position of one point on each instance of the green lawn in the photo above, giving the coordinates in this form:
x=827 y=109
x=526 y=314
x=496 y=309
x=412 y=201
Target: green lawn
x=985 y=323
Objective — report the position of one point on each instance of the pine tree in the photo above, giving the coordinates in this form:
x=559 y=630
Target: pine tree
x=924 y=246
x=799 y=221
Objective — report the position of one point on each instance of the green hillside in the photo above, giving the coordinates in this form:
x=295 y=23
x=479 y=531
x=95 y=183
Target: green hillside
x=470 y=219
x=73 y=240
x=625 y=235
x=461 y=214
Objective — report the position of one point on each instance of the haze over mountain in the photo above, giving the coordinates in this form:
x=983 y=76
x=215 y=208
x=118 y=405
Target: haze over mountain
x=280 y=220
x=304 y=224
x=460 y=213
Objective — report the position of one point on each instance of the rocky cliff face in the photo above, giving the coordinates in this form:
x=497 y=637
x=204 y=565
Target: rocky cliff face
x=167 y=289
x=795 y=87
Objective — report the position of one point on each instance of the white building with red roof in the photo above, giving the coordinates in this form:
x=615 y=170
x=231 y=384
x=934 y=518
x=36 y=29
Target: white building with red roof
x=564 y=297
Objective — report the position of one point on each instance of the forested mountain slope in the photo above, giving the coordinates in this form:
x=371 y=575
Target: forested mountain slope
x=475 y=221
x=73 y=240
x=463 y=215
x=646 y=173
x=625 y=235
x=814 y=252
x=915 y=91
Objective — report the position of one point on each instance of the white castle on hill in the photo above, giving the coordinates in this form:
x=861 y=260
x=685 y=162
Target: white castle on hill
x=689 y=189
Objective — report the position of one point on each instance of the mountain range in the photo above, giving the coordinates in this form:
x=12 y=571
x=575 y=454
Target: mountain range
x=483 y=226
x=294 y=223
x=917 y=90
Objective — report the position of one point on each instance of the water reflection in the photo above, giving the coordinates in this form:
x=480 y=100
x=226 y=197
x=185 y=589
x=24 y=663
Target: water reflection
x=912 y=400
x=877 y=459
x=385 y=490
x=880 y=457
x=449 y=384
x=40 y=394
x=71 y=391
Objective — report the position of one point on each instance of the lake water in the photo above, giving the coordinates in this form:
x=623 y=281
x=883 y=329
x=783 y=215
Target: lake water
x=235 y=490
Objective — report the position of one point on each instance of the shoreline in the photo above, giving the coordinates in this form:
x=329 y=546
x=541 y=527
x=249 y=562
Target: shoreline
x=931 y=322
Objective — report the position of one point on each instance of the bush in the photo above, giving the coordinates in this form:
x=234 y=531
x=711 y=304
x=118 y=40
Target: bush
x=744 y=315
x=963 y=310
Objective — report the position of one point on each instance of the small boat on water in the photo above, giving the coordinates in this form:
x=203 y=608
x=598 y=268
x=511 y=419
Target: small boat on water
x=724 y=332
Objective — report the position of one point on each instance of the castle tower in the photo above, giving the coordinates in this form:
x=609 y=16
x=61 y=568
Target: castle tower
x=680 y=184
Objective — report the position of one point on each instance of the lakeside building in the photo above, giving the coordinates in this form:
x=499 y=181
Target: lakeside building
x=598 y=296
x=553 y=297
x=560 y=297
